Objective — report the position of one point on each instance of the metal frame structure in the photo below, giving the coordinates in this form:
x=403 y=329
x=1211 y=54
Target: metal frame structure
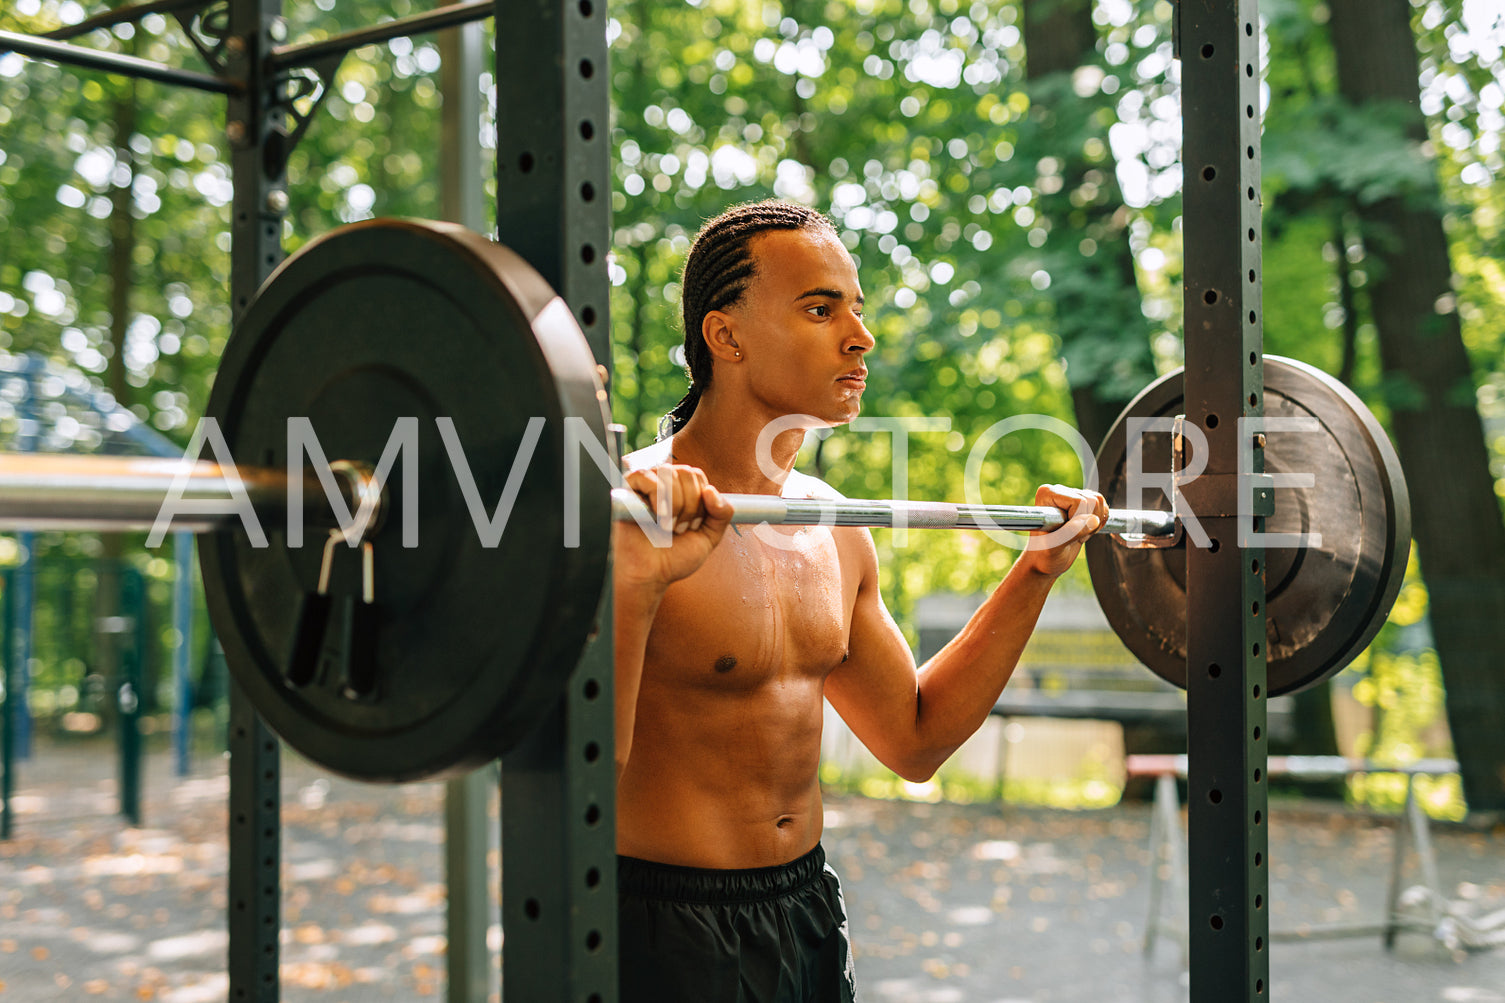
x=1229 y=915
x=558 y=789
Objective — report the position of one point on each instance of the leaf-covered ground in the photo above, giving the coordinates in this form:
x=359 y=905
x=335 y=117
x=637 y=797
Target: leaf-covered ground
x=948 y=903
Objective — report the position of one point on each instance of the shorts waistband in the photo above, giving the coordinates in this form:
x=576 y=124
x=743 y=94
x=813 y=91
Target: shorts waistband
x=649 y=879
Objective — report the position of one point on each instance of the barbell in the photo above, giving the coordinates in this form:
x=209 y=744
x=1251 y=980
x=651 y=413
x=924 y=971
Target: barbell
x=423 y=357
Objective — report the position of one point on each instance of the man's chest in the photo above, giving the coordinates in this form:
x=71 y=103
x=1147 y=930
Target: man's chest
x=768 y=603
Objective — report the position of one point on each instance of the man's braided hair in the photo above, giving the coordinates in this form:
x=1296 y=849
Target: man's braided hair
x=716 y=275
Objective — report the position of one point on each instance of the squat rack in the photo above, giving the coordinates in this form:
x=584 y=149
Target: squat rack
x=553 y=178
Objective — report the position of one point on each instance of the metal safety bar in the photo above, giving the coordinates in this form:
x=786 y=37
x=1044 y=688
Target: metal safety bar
x=912 y=514
x=304 y=53
x=113 y=62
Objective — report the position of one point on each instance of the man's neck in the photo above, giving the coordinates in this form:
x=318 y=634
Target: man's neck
x=725 y=446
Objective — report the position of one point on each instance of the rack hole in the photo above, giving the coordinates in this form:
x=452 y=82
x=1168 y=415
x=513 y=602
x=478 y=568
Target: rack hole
x=588 y=316
x=1254 y=566
x=1254 y=608
x=586 y=9
x=1213 y=546
x=1251 y=275
x=525 y=162
x=1253 y=358
x=588 y=192
x=1259 y=860
x=1259 y=943
x=1251 y=233
x=1257 y=691
x=532 y=909
x=1257 y=734
x=592 y=878
x=1259 y=901
x=1215 y=796
x=587 y=253
x=587 y=130
x=1212 y=421
x=1249 y=69
x=1249 y=28
x=1249 y=152
x=591 y=689
x=1248 y=111
x=593 y=940
x=1254 y=400
x=1210 y=297
x=1250 y=192
x=1216 y=921
x=1259 y=817
x=1214 y=670
x=1258 y=773
x=1209 y=172
x=592 y=752
x=1251 y=316
x=592 y=814
x=587 y=69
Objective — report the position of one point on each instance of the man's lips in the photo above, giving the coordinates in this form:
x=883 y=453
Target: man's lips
x=856 y=380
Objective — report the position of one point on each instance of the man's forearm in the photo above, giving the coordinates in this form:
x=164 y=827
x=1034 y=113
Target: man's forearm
x=962 y=682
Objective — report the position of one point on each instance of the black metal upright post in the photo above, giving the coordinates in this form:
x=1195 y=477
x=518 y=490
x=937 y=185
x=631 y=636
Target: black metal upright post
x=253 y=123
x=7 y=702
x=1226 y=687
x=558 y=788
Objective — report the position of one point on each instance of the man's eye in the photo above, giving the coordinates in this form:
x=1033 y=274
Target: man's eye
x=821 y=311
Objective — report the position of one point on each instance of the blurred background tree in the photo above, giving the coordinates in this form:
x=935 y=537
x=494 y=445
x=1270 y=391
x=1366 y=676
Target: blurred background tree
x=1005 y=173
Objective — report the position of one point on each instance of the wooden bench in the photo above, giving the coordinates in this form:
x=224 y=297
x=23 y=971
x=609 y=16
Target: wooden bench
x=1412 y=828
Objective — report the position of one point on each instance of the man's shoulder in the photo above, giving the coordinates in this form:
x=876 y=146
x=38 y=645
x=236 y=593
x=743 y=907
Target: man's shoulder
x=655 y=455
x=802 y=485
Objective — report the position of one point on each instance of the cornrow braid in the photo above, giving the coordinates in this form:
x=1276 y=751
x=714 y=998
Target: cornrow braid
x=715 y=277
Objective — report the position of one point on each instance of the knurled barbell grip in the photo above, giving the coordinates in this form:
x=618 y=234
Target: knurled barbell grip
x=914 y=514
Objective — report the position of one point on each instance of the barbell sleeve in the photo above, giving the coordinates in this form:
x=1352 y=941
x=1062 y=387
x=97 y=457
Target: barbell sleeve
x=40 y=491
x=747 y=508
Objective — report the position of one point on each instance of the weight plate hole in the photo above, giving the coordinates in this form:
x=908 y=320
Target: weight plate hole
x=532 y=909
x=1217 y=922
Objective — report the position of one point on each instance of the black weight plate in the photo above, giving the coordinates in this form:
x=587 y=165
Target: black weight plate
x=1323 y=604
x=390 y=319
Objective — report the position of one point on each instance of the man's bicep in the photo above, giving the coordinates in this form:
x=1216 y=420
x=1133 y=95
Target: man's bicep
x=876 y=689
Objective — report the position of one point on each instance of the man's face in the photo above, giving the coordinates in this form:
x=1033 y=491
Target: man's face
x=799 y=326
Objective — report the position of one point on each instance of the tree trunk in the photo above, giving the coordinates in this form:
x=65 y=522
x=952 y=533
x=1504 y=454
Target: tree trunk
x=1104 y=337
x=1456 y=516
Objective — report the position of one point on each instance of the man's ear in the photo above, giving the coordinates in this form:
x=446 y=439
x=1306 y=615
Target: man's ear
x=720 y=333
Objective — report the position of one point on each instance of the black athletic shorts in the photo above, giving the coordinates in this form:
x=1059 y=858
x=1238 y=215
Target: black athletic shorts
x=763 y=935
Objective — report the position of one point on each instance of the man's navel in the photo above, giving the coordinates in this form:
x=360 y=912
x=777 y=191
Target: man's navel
x=726 y=663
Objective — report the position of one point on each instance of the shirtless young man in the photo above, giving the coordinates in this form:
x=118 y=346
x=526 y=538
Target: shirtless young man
x=726 y=643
